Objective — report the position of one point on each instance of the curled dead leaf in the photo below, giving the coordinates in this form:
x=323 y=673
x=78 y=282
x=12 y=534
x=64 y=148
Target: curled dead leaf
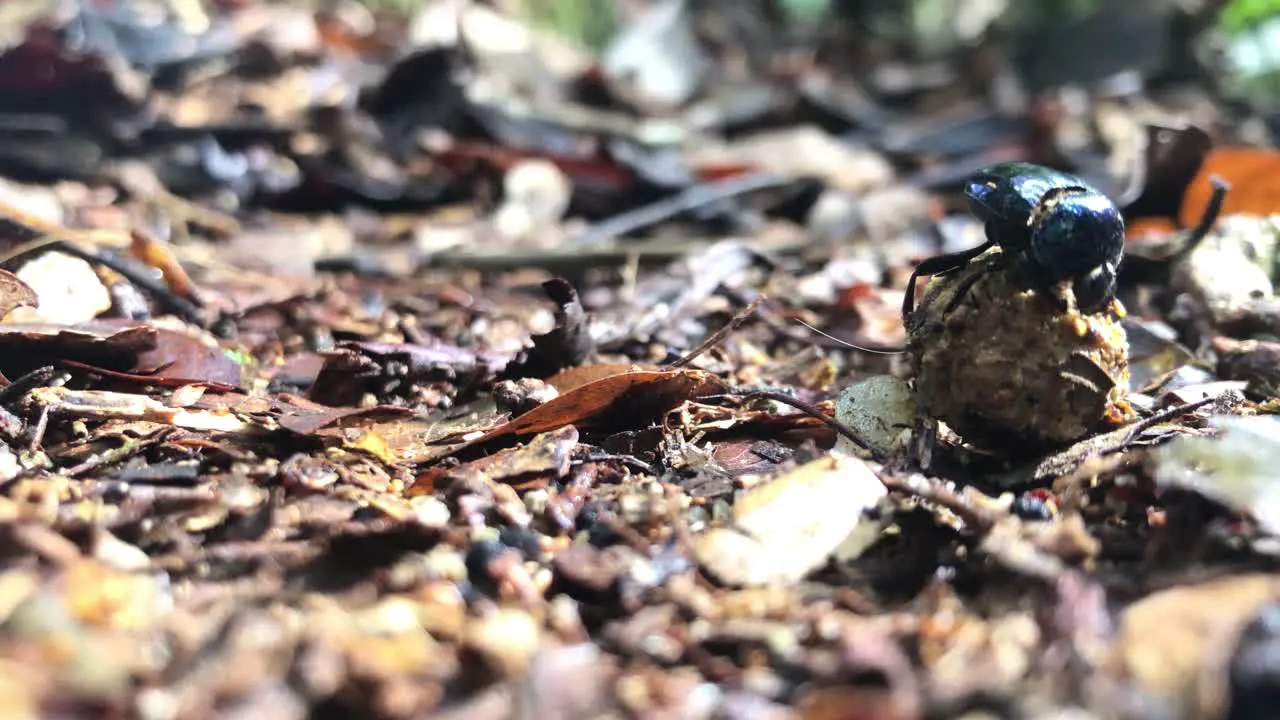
x=15 y=294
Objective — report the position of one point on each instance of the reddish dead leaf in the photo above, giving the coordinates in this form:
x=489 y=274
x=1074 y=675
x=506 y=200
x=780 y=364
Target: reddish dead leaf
x=146 y=353
x=14 y=294
x=158 y=380
x=750 y=456
x=187 y=356
x=849 y=703
x=630 y=395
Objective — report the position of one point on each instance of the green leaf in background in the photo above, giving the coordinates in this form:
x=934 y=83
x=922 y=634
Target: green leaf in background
x=1244 y=15
x=805 y=11
x=589 y=22
x=1253 y=49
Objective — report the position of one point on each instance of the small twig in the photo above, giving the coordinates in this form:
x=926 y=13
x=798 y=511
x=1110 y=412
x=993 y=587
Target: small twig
x=615 y=457
x=931 y=490
x=129 y=448
x=812 y=411
x=36 y=378
x=1168 y=414
x=38 y=431
x=718 y=336
x=163 y=296
x=1149 y=422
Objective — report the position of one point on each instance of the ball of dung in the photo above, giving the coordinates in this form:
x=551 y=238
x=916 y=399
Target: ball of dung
x=1008 y=368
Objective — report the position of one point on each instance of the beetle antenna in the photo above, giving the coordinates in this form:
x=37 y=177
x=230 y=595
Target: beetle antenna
x=846 y=343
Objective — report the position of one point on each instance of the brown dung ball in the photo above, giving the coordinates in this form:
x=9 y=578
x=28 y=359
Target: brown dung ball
x=1007 y=368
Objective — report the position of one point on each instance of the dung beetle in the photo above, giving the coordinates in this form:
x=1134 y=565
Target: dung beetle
x=1056 y=225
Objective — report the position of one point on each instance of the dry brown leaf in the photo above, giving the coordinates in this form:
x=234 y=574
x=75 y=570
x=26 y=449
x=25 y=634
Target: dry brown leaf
x=627 y=394
x=15 y=294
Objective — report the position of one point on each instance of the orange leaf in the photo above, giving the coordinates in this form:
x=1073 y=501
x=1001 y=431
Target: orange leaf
x=1254 y=175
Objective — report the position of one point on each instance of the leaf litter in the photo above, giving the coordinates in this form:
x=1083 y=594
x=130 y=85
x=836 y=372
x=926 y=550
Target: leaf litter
x=356 y=363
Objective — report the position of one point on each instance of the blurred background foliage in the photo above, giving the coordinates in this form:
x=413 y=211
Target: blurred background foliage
x=1246 y=32
x=1245 y=15
x=1254 y=48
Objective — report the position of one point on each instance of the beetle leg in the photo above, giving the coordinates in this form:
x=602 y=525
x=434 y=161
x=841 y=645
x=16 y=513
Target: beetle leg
x=962 y=289
x=1093 y=289
x=938 y=265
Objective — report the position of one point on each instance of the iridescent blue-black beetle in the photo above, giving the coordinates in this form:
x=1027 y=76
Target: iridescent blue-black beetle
x=1059 y=228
